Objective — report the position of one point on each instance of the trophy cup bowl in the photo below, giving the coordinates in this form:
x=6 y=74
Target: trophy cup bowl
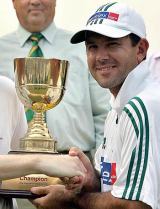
x=40 y=85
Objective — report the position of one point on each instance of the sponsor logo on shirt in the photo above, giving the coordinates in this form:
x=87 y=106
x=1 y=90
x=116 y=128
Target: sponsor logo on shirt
x=108 y=172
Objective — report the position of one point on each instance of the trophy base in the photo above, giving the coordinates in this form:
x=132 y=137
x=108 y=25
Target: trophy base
x=32 y=152
x=20 y=187
x=25 y=194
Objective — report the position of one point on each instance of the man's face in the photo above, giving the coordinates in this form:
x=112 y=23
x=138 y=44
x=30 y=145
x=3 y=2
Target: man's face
x=35 y=15
x=110 y=60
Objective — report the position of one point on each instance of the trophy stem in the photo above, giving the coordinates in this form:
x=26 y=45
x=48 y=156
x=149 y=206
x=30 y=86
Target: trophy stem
x=39 y=118
x=37 y=138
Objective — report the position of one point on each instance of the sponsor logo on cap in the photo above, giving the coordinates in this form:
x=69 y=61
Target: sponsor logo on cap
x=104 y=15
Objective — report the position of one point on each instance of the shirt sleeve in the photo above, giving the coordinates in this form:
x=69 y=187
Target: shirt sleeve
x=18 y=118
x=153 y=62
x=133 y=176
x=20 y=128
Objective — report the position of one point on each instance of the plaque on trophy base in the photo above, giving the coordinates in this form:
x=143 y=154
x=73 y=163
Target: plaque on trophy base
x=20 y=187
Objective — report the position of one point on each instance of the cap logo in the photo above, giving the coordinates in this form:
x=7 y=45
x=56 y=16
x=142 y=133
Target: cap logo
x=102 y=14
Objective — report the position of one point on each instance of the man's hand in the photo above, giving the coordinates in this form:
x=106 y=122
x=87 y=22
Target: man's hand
x=55 y=196
x=90 y=182
x=60 y=166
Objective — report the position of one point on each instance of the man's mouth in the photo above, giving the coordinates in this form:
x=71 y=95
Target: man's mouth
x=35 y=10
x=105 y=68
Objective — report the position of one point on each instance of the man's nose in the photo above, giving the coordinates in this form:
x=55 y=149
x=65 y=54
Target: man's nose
x=35 y=2
x=102 y=54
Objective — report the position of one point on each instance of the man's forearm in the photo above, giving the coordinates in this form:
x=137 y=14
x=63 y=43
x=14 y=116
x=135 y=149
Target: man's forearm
x=12 y=166
x=106 y=200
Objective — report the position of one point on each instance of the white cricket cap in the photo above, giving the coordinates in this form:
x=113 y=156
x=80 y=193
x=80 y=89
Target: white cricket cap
x=114 y=20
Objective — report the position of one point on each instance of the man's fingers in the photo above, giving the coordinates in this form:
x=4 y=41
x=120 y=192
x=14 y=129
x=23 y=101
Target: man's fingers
x=76 y=180
x=74 y=151
x=77 y=152
x=85 y=160
x=40 y=190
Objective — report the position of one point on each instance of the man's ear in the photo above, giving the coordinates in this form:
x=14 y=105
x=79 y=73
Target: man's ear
x=142 y=49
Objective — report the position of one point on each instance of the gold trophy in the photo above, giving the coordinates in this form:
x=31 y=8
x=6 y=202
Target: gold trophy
x=40 y=85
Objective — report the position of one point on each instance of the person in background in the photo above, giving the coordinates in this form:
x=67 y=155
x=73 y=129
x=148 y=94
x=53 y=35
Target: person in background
x=12 y=121
x=127 y=163
x=154 y=65
x=13 y=124
x=78 y=120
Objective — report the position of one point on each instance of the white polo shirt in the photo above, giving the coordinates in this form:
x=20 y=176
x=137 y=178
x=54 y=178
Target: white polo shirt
x=129 y=159
x=13 y=124
x=12 y=121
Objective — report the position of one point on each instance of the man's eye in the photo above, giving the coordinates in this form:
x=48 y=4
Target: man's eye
x=92 y=47
x=113 y=44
